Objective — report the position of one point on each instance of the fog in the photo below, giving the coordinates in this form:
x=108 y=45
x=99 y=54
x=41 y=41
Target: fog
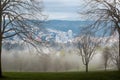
x=54 y=61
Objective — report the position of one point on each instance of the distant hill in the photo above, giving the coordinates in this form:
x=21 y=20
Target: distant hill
x=75 y=26
x=63 y=25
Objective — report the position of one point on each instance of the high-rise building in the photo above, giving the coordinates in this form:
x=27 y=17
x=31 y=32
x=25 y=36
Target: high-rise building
x=70 y=34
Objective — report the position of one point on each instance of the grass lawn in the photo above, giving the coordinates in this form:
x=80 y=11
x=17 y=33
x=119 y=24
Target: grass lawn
x=111 y=75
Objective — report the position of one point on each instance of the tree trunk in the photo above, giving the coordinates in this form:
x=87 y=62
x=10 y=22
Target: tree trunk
x=119 y=54
x=0 y=38
x=105 y=65
x=105 y=68
x=86 y=67
x=118 y=30
x=0 y=57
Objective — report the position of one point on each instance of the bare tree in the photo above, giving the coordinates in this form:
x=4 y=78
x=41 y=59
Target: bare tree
x=115 y=55
x=17 y=18
x=87 y=46
x=106 y=57
x=106 y=14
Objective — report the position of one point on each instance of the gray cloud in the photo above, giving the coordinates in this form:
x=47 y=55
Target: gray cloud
x=63 y=7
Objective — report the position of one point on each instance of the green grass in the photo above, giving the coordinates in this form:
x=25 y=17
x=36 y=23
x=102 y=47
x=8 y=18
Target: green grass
x=111 y=75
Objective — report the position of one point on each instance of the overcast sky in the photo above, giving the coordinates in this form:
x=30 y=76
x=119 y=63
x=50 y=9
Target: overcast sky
x=62 y=9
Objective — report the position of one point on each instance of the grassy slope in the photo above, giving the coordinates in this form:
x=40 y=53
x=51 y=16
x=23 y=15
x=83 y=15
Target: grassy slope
x=62 y=76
